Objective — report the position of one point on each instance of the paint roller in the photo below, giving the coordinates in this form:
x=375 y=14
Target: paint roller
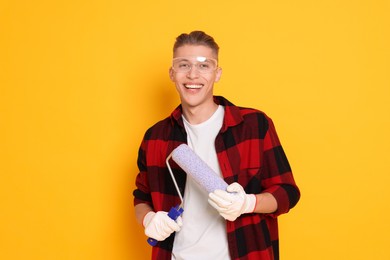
x=196 y=168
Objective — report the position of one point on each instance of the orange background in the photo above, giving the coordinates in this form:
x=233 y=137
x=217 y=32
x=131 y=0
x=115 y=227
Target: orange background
x=81 y=81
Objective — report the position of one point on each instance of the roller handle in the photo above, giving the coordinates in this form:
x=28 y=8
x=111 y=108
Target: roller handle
x=173 y=213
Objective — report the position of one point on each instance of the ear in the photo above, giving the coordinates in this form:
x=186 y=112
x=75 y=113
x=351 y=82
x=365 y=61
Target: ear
x=218 y=75
x=171 y=72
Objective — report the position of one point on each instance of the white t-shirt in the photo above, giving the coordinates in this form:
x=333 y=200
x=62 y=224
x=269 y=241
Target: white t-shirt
x=203 y=234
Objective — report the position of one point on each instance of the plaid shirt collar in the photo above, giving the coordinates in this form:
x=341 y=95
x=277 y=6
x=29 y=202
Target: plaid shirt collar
x=232 y=114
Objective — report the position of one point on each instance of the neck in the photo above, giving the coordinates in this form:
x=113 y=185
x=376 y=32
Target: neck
x=197 y=115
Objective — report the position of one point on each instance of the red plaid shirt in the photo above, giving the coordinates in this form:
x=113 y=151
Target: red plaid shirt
x=248 y=151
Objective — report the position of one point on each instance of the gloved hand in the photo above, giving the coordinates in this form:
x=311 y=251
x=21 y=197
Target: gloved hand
x=159 y=226
x=233 y=202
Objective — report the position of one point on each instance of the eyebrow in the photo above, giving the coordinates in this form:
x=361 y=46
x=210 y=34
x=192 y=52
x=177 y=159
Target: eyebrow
x=181 y=59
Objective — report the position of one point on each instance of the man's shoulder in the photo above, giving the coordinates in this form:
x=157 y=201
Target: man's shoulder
x=162 y=123
x=159 y=127
x=242 y=110
x=249 y=113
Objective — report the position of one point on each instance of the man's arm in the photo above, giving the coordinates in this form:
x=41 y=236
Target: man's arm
x=234 y=202
x=265 y=203
x=140 y=211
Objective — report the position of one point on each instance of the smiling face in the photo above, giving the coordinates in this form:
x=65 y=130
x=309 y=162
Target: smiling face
x=195 y=88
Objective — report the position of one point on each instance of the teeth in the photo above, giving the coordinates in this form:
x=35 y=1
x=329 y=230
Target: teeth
x=193 y=86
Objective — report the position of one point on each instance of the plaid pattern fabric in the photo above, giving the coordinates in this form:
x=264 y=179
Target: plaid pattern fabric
x=248 y=151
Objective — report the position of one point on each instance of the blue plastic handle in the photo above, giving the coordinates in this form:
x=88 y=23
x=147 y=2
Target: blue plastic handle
x=173 y=213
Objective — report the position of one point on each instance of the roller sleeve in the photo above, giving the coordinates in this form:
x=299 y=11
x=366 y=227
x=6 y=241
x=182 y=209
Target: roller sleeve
x=194 y=166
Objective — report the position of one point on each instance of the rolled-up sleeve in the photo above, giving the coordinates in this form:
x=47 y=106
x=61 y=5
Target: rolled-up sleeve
x=277 y=177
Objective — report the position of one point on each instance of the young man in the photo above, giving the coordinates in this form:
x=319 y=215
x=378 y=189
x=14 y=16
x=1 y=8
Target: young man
x=239 y=144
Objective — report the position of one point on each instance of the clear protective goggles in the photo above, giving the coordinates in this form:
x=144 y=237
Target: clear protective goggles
x=202 y=64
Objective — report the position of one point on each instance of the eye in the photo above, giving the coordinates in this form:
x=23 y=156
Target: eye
x=184 y=65
x=204 y=66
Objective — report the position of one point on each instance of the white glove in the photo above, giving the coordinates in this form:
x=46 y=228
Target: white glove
x=159 y=226
x=233 y=202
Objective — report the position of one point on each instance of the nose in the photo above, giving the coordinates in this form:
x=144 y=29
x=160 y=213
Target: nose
x=193 y=72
